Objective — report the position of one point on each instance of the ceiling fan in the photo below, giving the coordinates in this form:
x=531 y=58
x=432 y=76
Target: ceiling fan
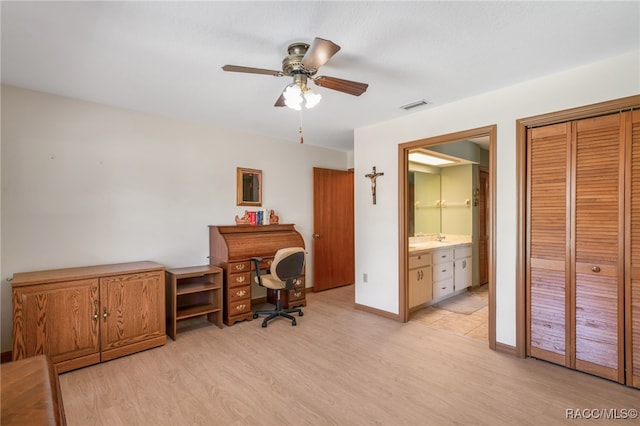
x=302 y=63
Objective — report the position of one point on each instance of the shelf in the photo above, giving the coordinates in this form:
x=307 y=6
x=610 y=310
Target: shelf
x=196 y=287
x=194 y=311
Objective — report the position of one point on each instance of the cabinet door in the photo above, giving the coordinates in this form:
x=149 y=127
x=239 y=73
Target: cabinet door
x=420 y=288
x=462 y=273
x=633 y=273
x=132 y=312
x=548 y=224
x=599 y=248
x=59 y=320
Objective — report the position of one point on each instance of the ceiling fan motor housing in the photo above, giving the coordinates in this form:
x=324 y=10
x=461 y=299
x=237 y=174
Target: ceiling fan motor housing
x=292 y=64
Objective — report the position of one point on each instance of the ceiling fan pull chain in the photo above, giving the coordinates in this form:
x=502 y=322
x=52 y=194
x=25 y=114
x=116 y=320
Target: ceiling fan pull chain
x=300 y=128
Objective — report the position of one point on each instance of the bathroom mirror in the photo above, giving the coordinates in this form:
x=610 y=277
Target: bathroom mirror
x=425 y=206
x=249 y=187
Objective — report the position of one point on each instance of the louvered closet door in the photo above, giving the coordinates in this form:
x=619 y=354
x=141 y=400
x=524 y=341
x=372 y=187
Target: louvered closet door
x=598 y=230
x=633 y=276
x=548 y=227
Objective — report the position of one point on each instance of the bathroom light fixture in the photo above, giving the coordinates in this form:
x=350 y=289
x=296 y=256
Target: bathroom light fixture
x=430 y=160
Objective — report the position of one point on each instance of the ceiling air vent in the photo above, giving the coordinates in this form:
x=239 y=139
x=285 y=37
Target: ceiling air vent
x=414 y=104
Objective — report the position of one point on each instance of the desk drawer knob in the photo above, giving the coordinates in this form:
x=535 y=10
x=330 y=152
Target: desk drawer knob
x=240 y=279
x=241 y=293
x=241 y=307
x=240 y=267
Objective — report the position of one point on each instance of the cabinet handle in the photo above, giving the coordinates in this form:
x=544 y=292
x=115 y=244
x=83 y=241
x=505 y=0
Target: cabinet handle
x=240 y=267
x=444 y=270
x=241 y=307
x=95 y=310
x=443 y=288
x=297 y=294
x=240 y=279
x=95 y=316
x=105 y=314
x=241 y=292
x=595 y=268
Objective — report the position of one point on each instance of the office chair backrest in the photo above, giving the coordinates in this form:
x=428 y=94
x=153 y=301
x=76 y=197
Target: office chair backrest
x=288 y=263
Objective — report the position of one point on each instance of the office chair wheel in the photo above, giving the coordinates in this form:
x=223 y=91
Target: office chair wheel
x=255 y=316
x=264 y=324
x=300 y=313
x=293 y=323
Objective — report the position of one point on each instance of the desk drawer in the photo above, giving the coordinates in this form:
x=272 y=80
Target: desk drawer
x=236 y=280
x=239 y=267
x=239 y=293
x=239 y=307
x=296 y=294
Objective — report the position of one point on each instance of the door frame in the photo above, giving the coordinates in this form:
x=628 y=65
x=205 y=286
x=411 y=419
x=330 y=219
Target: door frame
x=522 y=125
x=403 y=170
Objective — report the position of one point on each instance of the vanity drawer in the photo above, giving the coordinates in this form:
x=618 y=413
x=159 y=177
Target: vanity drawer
x=442 y=288
x=442 y=271
x=239 y=293
x=463 y=251
x=419 y=260
x=443 y=255
x=236 y=280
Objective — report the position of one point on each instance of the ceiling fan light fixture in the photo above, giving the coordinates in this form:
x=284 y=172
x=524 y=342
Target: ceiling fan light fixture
x=311 y=98
x=293 y=97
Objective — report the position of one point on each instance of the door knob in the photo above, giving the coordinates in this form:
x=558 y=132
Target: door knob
x=595 y=268
x=316 y=235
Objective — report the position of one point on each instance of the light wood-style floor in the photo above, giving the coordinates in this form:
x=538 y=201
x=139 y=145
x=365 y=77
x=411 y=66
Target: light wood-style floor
x=475 y=325
x=339 y=366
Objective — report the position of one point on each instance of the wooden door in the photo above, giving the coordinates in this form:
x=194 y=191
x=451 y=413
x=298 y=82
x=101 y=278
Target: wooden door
x=598 y=251
x=132 y=311
x=633 y=251
x=333 y=236
x=56 y=320
x=483 y=228
x=548 y=269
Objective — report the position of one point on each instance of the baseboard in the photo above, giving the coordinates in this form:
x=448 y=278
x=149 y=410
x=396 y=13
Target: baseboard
x=506 y=349
x=378 y=312
x=6 y=357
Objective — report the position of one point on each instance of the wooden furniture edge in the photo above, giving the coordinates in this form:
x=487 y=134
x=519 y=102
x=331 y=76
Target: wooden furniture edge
x=507 y=349
x=21 y=279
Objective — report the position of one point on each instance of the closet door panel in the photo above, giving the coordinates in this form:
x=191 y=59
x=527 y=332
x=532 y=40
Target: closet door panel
x=633 y=289
x=598 y=234
x=547 y=270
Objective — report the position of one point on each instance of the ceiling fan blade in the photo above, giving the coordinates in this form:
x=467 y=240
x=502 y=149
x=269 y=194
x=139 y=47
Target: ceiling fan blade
x=237 y=68
x=319 y=53
x=280 y=101
x=347 y=86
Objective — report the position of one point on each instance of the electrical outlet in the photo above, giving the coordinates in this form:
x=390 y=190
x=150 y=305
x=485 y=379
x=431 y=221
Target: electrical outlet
x=364 y=277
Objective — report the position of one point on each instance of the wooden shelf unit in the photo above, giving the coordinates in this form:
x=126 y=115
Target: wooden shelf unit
x=191 y=292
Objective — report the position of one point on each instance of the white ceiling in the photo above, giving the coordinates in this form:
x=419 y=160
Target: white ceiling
x=165 y=57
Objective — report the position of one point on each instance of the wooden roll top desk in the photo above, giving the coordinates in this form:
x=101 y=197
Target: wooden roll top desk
x=232 y=247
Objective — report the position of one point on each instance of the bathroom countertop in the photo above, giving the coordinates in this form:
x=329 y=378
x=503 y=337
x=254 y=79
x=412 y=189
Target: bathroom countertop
x=430 y=245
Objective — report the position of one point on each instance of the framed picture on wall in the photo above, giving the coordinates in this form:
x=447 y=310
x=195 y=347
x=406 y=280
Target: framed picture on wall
x=249 y=187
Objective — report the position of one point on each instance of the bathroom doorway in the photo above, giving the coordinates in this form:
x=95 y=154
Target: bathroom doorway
x=454 y=220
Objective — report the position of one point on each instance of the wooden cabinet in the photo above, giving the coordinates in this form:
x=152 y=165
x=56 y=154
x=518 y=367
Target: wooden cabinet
x=232 y=247
x=632 y=275
x=191 y=292
x=420 y=279
x=578 y=240
x=82 y=316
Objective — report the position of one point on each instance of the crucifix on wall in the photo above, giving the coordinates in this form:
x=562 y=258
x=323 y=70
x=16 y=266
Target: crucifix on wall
x=373 y=176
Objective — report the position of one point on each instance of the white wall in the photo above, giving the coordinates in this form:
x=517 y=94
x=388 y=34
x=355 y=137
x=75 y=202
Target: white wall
x=377 y=225
x=86 y=184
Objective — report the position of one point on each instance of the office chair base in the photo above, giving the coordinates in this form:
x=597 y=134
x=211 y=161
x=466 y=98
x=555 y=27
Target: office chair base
x=278 y=313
